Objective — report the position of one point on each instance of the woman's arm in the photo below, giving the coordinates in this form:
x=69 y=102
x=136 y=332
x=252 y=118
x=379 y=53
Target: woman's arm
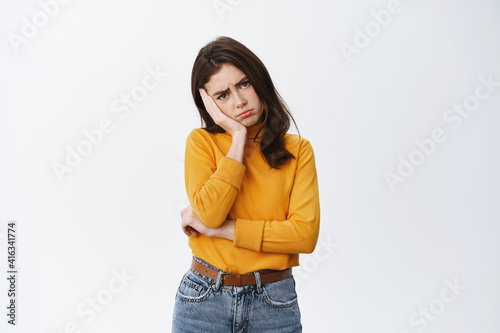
x=212 y=188
x=297 y=234
x=192 y=226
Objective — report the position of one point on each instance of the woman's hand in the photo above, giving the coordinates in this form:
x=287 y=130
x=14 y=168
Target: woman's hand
x=220 y=118
x=192 y=226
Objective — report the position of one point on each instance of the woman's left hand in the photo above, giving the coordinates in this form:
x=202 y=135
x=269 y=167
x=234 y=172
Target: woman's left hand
x=192 y=226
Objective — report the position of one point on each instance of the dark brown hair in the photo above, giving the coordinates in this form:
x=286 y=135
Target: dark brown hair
x=277 y=116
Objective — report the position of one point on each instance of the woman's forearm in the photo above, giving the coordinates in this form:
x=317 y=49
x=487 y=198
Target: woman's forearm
x=226 y=230
x=237 y=146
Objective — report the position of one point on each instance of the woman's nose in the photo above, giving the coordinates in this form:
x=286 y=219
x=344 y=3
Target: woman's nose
x=239 y=99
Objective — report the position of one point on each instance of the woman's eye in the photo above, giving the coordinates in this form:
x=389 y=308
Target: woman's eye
x=245 y=84
x=223 y=96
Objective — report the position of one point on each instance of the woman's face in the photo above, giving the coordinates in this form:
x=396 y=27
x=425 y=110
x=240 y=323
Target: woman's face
x=234 y=95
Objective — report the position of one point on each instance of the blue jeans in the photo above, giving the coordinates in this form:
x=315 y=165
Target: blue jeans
x=203 y=305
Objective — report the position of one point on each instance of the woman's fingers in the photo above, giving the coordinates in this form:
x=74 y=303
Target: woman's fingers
x=220 y=118
x=186 y=231
x=189 y=231
x=193 y=231
x=185 y=227
x=211 y=106
x=187 y=221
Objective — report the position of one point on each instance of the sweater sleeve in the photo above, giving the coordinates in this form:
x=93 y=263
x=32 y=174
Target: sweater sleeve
x=299 y=232
x=211 y=189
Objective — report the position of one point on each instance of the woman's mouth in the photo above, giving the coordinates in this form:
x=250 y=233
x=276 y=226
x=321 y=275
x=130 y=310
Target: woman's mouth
x=246 y=113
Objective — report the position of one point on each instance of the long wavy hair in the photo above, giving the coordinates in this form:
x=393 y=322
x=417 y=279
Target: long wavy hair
x=277 y=115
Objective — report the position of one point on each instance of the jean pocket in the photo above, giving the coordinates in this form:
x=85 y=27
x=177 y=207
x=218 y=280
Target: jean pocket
x=192 y=288
x=280 y=294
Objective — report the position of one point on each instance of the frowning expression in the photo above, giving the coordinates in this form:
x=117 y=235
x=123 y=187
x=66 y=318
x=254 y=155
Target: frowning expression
x=234 y=95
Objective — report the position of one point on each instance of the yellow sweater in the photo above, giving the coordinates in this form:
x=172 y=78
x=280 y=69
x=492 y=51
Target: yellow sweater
x=277 y=212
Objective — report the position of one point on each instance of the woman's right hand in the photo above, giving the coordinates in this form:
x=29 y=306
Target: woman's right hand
x=220 y=118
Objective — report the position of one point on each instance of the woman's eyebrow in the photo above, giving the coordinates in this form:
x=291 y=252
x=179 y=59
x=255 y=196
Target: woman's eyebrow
x=227 y=90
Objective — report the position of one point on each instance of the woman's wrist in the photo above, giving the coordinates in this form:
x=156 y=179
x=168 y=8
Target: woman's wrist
x=226 y=230
x=237 y=146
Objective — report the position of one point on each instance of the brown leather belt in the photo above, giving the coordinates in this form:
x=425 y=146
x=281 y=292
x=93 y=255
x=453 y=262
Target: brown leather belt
x=239 y=280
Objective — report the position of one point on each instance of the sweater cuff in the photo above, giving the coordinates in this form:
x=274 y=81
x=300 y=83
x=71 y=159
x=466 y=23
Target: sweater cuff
x=248 y=234
x=230 y=171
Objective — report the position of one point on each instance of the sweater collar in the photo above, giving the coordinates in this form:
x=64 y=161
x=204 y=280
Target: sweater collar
x=252 y=131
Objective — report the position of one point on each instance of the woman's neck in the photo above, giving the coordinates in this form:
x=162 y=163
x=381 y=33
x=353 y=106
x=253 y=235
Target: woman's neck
x=253 y=129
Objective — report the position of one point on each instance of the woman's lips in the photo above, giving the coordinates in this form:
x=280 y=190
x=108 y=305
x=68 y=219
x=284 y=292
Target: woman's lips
x=245 y=114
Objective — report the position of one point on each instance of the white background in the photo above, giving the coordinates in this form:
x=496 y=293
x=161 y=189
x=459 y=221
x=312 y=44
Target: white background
x=384 y=254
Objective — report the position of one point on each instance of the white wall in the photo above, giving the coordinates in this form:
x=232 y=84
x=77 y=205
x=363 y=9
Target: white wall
x=387 y=253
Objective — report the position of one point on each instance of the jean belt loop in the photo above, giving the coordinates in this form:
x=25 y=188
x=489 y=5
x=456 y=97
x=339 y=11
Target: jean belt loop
x=218 y=282
x=257 y=280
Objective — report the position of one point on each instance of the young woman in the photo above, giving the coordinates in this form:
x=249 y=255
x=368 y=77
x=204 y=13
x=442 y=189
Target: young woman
x=254 y=198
